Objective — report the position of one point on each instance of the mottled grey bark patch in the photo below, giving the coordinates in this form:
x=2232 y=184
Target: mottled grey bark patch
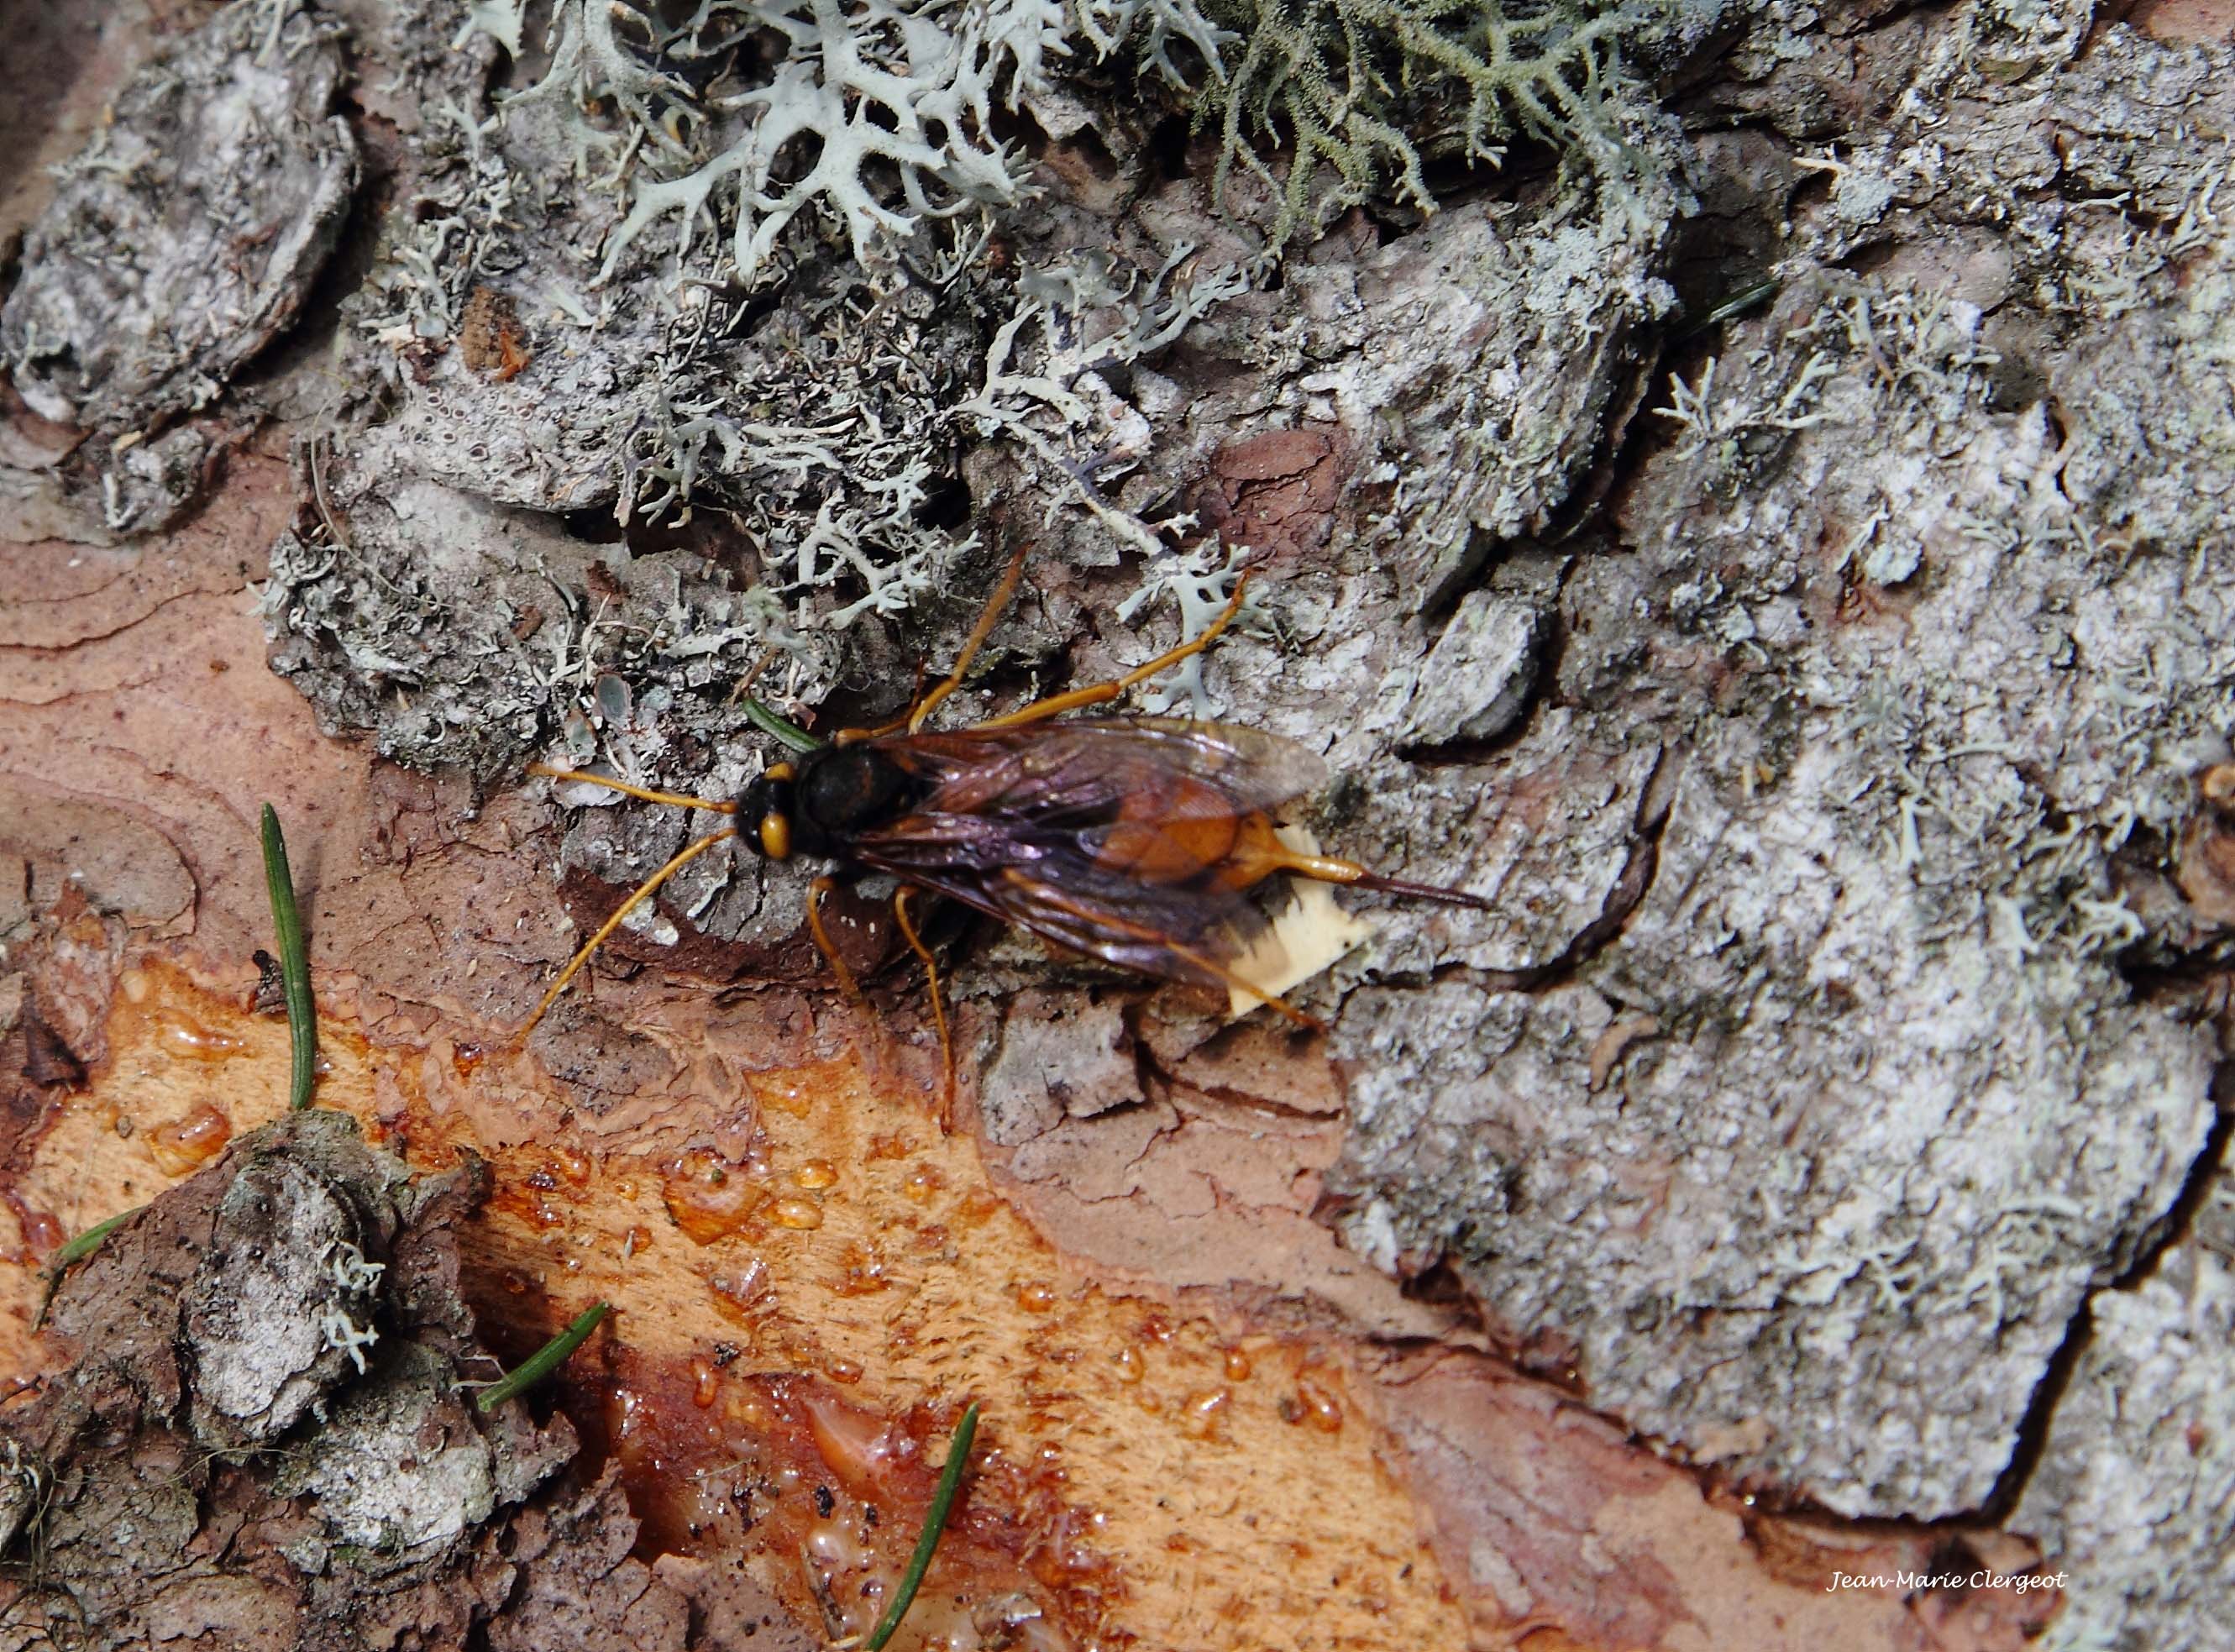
x=460 y=634
x=1060 y=1056
x=1941 y=696
x=276 y=1308
x=1477 y=680
x=188 y=232
x=150 y=486
x=2133 y=1496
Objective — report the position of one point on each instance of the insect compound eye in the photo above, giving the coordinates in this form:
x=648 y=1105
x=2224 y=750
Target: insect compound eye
x=776 y=836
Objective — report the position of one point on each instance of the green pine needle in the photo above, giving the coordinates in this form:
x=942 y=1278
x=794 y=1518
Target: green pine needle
x=545 y=1360
x=294 y=964
x=934 y=1522
x=769 y=723
x=76 y=1250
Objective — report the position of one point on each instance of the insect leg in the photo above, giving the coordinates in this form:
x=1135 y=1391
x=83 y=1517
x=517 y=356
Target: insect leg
x=996 y=605
x=1097 y=694
x=938 y=1006
x=823 y=944
x=679 y=799
x=644 y=891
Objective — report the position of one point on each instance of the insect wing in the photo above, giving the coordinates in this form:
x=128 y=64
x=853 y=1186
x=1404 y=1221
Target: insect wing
x=1089 y=767
x=1167 y=933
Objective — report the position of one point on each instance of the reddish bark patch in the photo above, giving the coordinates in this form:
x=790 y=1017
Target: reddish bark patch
x=1275 y=492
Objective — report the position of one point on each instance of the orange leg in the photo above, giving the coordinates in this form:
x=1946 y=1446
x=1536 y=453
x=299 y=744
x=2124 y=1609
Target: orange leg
x=644 y=891
x=823 y=944
x=881 y=1039
x=679 y=799
x=1101 y=693
x=996 y=605
x=938 y=1006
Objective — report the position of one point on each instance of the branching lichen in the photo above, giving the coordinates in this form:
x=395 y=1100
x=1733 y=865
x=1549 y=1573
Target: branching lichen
x=1151 y=29
x=1363 y=93
x=1086 y=319
x=879 y=113
x=1201 y=582
x=868 y=99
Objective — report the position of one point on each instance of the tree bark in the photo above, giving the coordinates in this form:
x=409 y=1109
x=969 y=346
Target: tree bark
x=1778 y=558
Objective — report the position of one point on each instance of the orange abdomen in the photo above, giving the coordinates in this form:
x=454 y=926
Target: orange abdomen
x=1172 y=832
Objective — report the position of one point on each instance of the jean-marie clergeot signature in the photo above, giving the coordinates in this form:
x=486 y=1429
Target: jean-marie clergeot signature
x=1913 y=1583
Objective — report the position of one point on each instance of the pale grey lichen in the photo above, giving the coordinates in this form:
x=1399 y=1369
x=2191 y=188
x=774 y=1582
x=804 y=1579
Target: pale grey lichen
x=1150 y=29
x=461 y=636
x=1200 y=583
x=1043 y=383
x=1361 y=94
x=458 y=230
x=178 y=243
x=862 y=100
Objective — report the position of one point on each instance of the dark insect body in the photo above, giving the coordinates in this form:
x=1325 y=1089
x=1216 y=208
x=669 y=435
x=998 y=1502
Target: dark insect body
x=1136 y=840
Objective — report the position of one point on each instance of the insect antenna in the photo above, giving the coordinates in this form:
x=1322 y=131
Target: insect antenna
x=681 y=800
x=645 y=890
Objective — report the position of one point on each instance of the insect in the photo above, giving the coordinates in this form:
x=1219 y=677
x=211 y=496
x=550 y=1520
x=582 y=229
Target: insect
x=1139 y=841
x=490 y=338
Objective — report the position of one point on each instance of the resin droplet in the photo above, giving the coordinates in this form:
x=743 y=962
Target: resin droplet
x=1204 y=1410
x=739 y=1292
x=797 y=1213
x=863 y=1272
x=1317 y=1406
x=183 y=1036
x=816 y=1173
x=186 y=1143
x=709 y=1199
x=785 y=1095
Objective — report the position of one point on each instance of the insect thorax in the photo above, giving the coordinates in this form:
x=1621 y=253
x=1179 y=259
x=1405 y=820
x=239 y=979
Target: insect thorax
x=842 y=790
